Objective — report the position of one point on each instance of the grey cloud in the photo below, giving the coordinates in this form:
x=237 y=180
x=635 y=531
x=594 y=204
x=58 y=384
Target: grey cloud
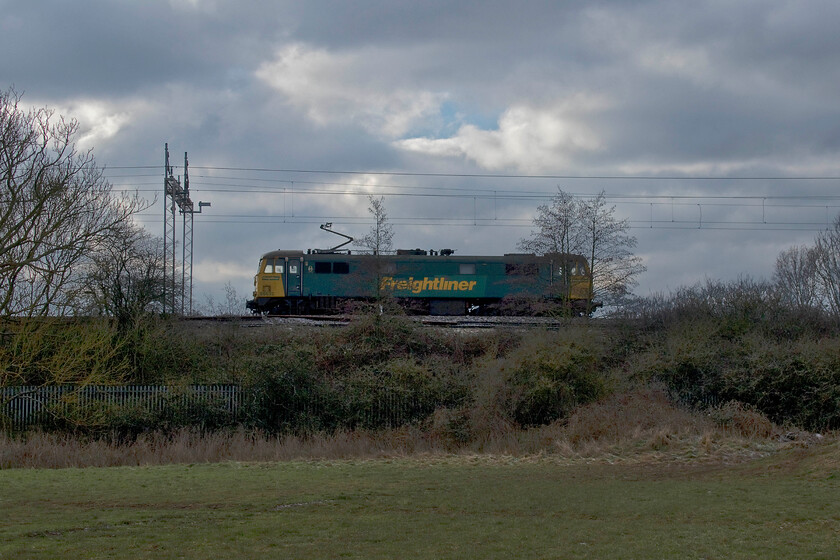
x=112 y=48
x=710 y=87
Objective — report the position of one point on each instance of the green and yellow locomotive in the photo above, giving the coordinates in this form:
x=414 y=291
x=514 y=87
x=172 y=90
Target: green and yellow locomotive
x=431 y=282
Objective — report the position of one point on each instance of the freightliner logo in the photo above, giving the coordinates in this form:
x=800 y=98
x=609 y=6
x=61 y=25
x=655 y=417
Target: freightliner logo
x=441 y=284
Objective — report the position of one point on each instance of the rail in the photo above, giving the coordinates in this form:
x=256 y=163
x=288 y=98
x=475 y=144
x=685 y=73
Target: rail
x=441 y=321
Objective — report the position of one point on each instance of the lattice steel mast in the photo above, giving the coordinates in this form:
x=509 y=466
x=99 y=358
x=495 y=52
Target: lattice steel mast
x=175 y=195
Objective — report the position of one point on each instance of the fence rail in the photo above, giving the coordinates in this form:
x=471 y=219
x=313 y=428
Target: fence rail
x=25 y=406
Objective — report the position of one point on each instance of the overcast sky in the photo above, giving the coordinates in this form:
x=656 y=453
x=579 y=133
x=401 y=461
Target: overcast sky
x=714 y=126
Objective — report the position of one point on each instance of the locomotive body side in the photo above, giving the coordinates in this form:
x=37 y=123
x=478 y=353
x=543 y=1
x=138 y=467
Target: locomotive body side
x=440 y=283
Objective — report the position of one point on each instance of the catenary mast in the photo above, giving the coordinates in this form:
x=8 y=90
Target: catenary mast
x=178 y=299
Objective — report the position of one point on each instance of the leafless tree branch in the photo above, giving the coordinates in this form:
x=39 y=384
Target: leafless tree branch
x=56 y=209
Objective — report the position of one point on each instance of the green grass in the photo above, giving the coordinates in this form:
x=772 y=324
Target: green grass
x=455 y=507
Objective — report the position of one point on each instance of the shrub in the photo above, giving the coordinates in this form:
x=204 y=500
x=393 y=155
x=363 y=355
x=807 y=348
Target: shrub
x=289 y=397
x=742 y=420
x=60 y=351
x=451 y=427
x=795 y=383
x=543 y=380
x=729 y=309
x=789 y=381
x=640 y=413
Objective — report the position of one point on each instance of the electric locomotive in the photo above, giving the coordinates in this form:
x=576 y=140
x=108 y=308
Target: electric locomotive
x=430 y=282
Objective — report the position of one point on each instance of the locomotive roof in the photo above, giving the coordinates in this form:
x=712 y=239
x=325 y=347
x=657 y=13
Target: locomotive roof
x=508 y=257
x=281 y=253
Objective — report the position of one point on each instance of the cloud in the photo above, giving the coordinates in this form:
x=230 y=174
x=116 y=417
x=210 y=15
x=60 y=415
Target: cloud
x=98 y=121
x=192 y=5
x=528 y=138
x=221 y=271
x=337 y=89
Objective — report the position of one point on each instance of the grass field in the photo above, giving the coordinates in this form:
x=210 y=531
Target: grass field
x=783 y=506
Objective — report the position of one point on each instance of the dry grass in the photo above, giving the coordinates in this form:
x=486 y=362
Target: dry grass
x=42 y=450
x=639 y=426
x=645 y=426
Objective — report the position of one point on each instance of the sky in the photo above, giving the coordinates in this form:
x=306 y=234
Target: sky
x=712 y=126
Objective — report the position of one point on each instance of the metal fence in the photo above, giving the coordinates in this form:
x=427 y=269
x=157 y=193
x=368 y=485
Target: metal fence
x=24 y=406
x=208 y=406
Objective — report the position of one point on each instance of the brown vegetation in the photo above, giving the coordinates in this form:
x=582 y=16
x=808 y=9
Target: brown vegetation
x=635 y=427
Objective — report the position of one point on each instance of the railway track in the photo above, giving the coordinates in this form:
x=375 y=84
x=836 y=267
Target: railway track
x=453 y=322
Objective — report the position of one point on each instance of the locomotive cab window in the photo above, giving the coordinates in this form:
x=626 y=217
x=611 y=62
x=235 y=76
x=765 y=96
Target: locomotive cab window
x=273 y=266
x=341 y=268
x=569 y=269
x=322 y=268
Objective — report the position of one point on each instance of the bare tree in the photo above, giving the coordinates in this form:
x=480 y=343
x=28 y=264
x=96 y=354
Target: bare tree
x=827 y=259
x=378 y=241
x=558 y=232
x=795 y=277
x=381 y=235
x=125 y=277
x=55 y=209
x=612 y=264
x=572 y=226
x=231 y=306
x=557 y=227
